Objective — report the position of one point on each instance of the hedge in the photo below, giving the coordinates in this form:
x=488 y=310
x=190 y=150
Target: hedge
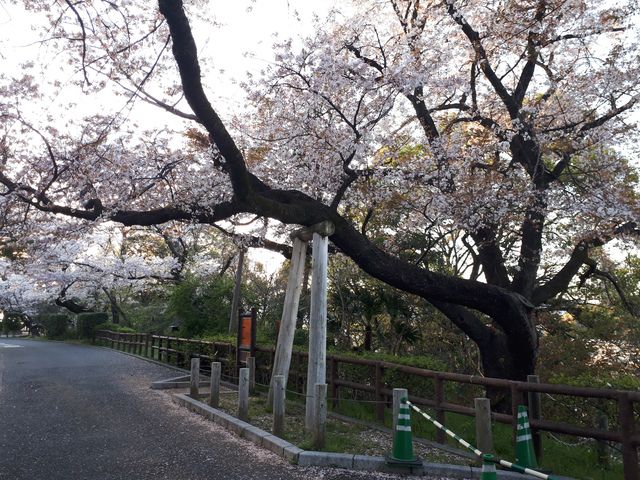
x=87 y=322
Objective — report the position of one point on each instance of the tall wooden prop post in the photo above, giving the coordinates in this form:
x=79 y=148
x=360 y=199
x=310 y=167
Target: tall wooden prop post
x=282 y=360
x=233 y=318
x=317 y=367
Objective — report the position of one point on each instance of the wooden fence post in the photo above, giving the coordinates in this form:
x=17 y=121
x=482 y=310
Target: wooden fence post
x=440 y=414
x=195 y=377
x=214 y=392
x=243 y=394
x=398 y=393
x=484 y=435
x=333 y=376
x=251 y=364
x=164 y=357
x=515 y=401
x=299 y=387
x=279 y=397
x=535 y=413
x=380 y=399
x=602 y=448
x=627 y=422
x=320 y=416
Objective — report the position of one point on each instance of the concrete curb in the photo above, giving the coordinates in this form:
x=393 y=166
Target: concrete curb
x=183 y=381
x=307 y=458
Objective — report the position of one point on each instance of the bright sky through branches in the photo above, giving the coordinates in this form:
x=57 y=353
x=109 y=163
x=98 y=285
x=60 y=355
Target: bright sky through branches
x=246 y=29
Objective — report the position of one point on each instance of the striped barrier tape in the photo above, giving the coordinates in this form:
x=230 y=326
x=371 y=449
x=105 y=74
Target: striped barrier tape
x=467 y=445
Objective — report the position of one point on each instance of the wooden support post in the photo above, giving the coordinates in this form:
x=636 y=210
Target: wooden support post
x=316 y=369
x=535 y=413
x=214 y=392
x=398 y=393
x=335 y=398
x=284 y=347
x=235 y=304
x=299 y=387
x=484 y=435
x=243 y=394
x=194 y=387
x=147 y=345
x=516 y=399
x=602 y=448
x=440 y=413
x=279 y=397
x=626 y=420
x=164 y=356
x=251 y=365
x=320 y=415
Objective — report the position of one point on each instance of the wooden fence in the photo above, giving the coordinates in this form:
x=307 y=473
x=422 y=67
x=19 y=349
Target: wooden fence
x=373 y=381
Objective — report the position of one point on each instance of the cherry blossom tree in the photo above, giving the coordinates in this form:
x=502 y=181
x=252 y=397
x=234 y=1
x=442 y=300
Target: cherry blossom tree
x=502 y=129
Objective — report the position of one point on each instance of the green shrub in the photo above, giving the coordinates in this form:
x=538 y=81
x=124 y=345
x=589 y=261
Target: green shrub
x=201 y=308
x=56 y=325
x=114 y=327
x=11 y=323
x=86 y=323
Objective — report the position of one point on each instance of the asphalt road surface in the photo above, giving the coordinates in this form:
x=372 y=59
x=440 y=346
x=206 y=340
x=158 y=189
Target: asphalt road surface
x=79 y=412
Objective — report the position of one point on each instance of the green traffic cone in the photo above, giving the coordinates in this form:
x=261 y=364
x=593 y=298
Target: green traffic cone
x=525 y=455
x=488 y=468
x=402 y=453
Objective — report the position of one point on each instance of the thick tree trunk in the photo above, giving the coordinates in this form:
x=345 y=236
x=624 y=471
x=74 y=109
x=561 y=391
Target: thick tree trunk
x=368 y=336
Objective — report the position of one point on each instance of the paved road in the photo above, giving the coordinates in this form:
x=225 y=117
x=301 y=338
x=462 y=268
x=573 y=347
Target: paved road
x=76 y=412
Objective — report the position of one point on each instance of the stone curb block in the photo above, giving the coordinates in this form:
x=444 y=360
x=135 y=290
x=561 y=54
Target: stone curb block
x=238 y=426
x=307 y=458
x=366 y=462
x=254 y=435
x=275 y=444
x=292 y=453
x=325 y=459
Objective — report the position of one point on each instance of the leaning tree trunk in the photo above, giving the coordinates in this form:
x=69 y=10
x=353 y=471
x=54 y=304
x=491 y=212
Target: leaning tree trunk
x=511 y=358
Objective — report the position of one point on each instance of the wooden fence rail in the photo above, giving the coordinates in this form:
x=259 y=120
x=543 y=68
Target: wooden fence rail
x=623 y=405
